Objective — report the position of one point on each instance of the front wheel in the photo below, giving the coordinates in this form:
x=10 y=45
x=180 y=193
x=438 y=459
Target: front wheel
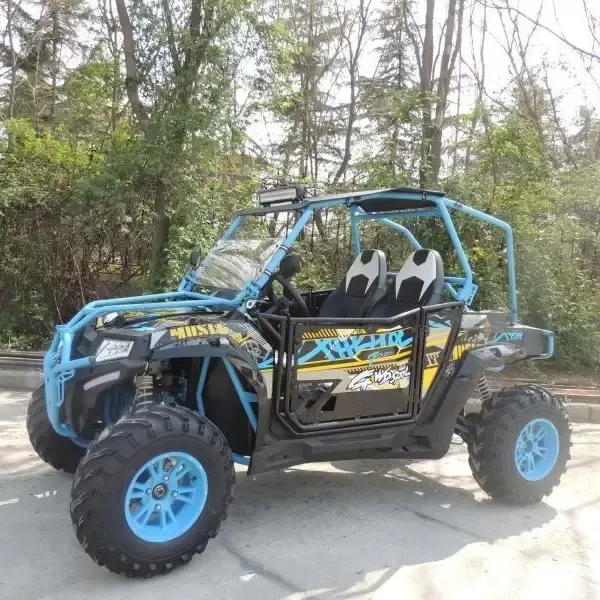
x=152 y=490
x=521 y=445
x=58 y=451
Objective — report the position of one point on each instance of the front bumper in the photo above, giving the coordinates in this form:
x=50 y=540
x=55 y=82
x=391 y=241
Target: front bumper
x=62 y=363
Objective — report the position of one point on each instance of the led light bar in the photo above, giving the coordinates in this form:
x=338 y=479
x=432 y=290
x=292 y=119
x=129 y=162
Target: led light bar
x=282 y=194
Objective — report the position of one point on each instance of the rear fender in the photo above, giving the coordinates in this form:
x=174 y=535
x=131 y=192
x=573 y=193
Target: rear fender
x=537 y=344
x=493 y=328
x=446 y=400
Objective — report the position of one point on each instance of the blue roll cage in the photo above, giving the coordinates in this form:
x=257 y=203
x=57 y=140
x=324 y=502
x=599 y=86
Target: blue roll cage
x=59 y=366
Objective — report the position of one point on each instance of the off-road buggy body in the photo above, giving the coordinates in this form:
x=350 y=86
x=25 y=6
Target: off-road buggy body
x=167 y=389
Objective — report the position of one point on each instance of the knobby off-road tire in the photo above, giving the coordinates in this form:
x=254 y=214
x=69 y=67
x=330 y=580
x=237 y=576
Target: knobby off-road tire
x=111 y=521
x=56 y=450
x=472 y=419
x=500 y=451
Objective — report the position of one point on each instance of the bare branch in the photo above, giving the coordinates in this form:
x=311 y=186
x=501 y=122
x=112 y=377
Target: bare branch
x=166 y=9
x=569 y=154
x=131 y=74
x=557 y=35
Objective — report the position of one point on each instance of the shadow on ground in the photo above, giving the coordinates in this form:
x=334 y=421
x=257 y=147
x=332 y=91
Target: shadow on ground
x=368 y=517
x=336 y=531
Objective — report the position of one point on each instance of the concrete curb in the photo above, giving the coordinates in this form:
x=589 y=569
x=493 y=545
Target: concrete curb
x=580 y=412
x=17 y=379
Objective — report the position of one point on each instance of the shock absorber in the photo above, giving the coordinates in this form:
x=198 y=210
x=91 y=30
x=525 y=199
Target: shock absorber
x=484 y=389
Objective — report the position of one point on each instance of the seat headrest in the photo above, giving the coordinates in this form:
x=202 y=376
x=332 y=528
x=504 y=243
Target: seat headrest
x=369 y=270
x=421 y=279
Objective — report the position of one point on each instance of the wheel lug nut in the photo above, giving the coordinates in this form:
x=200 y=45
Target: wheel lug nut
x=148 y=491
x=175 y=494
x=157 y=507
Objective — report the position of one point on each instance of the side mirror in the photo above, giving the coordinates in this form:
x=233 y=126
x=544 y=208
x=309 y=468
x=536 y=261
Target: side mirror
x=194 y=258
x=290 y=265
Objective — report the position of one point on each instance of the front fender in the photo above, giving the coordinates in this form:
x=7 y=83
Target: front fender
x=226 y=348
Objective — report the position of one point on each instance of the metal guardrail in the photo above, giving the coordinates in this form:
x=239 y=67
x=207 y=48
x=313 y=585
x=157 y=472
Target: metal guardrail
x=21 y=361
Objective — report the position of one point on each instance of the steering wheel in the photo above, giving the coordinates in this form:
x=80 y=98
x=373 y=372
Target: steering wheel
x=289 y=266
x=292 y=293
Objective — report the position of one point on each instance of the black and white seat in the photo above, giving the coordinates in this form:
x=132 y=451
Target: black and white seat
x=420 y=282
x=362 y=288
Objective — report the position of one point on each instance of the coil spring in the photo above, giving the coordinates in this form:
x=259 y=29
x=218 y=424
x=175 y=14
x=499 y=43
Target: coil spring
x=484 y=389
x=146 y=389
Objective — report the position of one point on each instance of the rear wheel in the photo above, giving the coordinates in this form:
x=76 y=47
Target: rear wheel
x=152 y=490
x=521 y=444
x=56 y=450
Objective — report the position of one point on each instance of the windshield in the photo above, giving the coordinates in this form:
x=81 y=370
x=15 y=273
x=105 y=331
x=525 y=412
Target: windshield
x=233 y=262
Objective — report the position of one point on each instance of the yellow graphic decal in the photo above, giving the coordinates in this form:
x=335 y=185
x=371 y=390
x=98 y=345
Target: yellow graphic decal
x=428 y=377
x=353 y=363
x=319 y=334
x=189 y=331
x=431 y=371
x=436 y=343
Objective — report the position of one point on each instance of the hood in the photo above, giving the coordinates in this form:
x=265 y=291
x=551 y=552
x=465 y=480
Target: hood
x=154 y=320
x=172 y=329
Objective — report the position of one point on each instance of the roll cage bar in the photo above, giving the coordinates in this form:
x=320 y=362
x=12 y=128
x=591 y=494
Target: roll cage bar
x=385 y=206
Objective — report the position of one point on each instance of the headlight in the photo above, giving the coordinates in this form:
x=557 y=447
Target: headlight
x=113 y=349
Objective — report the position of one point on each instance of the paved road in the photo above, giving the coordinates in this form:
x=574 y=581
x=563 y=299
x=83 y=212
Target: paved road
x=349 y=530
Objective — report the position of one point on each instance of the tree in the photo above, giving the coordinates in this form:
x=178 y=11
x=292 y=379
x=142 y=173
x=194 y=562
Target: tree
x=353 y=28
x=434 y=98
x=40 y=40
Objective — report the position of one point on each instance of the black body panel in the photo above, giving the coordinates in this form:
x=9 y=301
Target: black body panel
x=334 y=421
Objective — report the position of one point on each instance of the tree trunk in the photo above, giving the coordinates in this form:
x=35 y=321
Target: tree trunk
x=54 y=65
x=161 y=232
x=131 y=76
x=116 y=67
x=349 y=131
x=394 y=149
x=425 y=98
x=457 y=124
x=13 y=59
x=446 y=69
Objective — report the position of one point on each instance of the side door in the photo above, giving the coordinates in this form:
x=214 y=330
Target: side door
x=346 y=372
x=346 y=388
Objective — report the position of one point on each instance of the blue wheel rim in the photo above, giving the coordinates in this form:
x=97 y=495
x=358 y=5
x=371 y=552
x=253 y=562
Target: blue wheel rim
x=537 y=449
x=166 y=497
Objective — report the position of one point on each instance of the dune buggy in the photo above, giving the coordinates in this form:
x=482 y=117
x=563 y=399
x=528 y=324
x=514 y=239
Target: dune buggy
x=151 y=400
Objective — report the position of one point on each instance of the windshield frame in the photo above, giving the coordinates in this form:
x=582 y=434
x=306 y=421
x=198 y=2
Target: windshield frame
x=252 y=288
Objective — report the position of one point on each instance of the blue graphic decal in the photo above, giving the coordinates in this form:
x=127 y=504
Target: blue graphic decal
x=508 y=336
x=437 y=324
x=266 y=364
x=336 y=348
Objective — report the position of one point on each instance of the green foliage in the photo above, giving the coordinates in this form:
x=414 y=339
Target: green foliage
x=89 y=182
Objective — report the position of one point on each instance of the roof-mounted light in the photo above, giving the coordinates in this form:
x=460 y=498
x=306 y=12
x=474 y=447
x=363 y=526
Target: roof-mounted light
x=291 y=193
